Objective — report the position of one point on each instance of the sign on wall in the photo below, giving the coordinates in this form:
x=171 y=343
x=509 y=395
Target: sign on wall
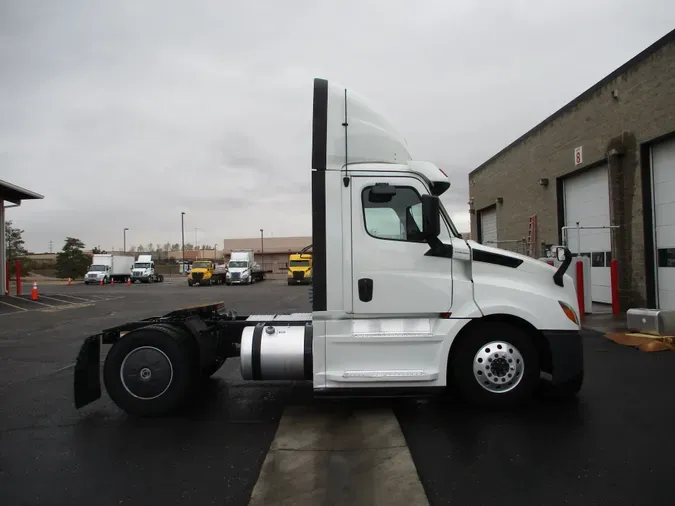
x=578 y=156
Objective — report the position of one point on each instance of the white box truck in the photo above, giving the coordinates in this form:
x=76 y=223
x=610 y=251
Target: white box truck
x=106 y=267
x=401 y=302
x=243 y=269
x=144 y=270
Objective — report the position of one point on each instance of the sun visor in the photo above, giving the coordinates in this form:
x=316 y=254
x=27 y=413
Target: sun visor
x=347 y=129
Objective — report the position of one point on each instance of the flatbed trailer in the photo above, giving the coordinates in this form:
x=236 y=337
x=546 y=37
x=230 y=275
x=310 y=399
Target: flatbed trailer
x=401 y=303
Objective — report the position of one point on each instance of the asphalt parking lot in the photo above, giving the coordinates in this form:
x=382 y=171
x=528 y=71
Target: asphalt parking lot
x=232 y=446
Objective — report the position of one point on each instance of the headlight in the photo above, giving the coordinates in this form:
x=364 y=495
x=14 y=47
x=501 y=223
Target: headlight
x=569 y=312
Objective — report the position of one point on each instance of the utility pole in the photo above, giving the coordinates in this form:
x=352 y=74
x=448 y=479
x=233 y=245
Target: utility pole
x=50 y=246
x=125 y=240
x=262 y=250
x=182 y=238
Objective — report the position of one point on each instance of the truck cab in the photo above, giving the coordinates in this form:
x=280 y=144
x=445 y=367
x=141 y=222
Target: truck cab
x=401 y=303
x=144 y=270
x=300 y=268
x=201 y=273
x=97 y=273
x=243 y=269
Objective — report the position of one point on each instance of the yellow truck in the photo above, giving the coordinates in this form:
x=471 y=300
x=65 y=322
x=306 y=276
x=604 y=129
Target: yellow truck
x=206 y=273
x=300 y=268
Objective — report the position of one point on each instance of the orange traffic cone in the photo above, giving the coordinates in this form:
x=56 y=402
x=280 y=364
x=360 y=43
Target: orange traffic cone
x=112 y=281
x=129 y=281
x=70 y=282
x=34 y=292
x=101 y=282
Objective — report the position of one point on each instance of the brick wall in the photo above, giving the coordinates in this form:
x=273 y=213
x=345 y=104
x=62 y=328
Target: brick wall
x=644 y=110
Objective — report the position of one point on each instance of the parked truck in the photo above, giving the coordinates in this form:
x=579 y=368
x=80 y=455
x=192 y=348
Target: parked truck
x=206 y=273
x=243 y=269
x=399 y=306
x=106 y=267
x=300 y=267
x=144 y=270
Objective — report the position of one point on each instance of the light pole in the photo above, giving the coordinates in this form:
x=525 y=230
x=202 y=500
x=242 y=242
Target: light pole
x=262 y=250
x=182 y=238
x=125 y=240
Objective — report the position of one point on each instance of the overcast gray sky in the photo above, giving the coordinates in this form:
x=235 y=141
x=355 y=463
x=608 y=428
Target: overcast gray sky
x=125 y=113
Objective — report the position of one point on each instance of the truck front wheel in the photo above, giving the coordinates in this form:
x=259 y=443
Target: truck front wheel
x=497 y=364
x=151 y=371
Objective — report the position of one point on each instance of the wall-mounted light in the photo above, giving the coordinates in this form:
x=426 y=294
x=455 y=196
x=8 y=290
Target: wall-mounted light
x=499 y=200
x=543 y=182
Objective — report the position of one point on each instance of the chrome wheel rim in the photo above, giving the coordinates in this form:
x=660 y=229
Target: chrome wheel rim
x=498 y=367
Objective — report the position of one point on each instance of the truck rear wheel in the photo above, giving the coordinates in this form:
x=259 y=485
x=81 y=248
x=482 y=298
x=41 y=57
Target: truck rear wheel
x=496 y=365
x=151 y=371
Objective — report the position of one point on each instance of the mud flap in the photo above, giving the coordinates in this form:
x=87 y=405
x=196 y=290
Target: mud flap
x=87 y=379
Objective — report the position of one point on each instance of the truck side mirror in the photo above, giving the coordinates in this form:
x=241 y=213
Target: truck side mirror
x=560 y=253
x=381 y=192
x=431 y=216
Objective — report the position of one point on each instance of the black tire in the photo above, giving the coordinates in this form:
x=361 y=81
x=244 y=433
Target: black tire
x=500 y=362
x=190 y=283
x=171 y=352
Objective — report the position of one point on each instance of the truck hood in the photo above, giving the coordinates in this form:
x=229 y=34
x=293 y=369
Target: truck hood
x=532 y=267
x=529 y=264
x=238 y=269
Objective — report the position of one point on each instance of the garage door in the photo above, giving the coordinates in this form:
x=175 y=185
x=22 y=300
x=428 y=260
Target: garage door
x=587 y=202
x=663 y=190
x=488 y=227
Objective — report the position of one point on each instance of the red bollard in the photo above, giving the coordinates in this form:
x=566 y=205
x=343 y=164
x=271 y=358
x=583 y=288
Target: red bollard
x=614 y=284
x=580 y=289
x=18 y=278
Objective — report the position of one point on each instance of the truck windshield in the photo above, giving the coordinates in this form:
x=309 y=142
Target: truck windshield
x=299 y=263
x=97 y=268
x=142 y=265
x=238 y=263
x=201 y=265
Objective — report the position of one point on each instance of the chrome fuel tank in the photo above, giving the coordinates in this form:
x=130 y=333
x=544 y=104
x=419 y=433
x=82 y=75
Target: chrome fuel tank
x=277 y=352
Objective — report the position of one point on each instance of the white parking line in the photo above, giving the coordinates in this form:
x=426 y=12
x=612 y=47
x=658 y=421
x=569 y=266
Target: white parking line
x=31 y=301
x=72 y=297
x=12 y=305
x=51 y=297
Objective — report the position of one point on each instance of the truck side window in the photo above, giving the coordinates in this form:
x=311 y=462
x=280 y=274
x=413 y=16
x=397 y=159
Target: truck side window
x=395 y=218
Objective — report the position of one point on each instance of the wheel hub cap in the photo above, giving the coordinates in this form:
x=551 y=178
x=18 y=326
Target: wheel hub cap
x=498 y=367
x=146 y=372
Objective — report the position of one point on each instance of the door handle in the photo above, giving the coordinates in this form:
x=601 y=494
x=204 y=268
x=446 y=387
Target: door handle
x=365 y=289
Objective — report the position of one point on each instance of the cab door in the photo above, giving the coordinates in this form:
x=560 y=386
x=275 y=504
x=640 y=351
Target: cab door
x=391 y=273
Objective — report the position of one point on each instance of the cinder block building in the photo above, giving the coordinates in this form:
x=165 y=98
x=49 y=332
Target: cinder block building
x=605 y=159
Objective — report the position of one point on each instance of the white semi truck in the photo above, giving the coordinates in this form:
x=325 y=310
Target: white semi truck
x=106 y=267
x=243 y=269
x=144 y=270
x=400 y=302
